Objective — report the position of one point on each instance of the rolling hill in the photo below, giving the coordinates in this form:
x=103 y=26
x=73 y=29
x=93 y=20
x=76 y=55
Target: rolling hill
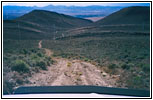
x=129 y=15
x=41 y=23
x=47 y=18
x=128 y=21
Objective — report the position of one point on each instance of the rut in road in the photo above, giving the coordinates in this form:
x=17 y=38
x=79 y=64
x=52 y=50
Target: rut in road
x=71 y=72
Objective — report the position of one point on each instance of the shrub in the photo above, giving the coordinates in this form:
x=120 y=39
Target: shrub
x=112 y=66
x=125 y=66
x=135 y=82
x=40 y=54
x=48 y=63
x=34 y=56
x=24 y=51
x=146 y=67
x=86 y=59
x=79 y=73
x=64 y=55
x=33 y=50
x=20 y=66
x=48 y=58
x=19 y=81
x=69 y=64
x=42 y=65
x=125 y=56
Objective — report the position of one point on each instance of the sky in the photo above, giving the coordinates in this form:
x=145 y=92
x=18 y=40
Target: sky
x=41 y=4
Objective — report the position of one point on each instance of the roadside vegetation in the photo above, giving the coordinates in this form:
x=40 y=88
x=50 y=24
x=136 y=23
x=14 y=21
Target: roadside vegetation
x=126 y=56
x=21 y=62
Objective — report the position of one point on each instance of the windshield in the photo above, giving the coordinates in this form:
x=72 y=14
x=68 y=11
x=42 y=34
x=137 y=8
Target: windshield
x=76 y=43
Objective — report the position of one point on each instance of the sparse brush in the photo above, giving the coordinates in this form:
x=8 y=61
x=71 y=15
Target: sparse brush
x=79 y=73
x=112 y=66
x=20 y=66
x=42 y=65
x=69 y=64
x=78 y=79
x=125 y=66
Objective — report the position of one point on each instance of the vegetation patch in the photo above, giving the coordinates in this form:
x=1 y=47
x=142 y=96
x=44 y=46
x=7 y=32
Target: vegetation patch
x=117 y=52
x=69 y=64
x=125 y=66
x=42 y=65
x=21 y=62
x=20 y=66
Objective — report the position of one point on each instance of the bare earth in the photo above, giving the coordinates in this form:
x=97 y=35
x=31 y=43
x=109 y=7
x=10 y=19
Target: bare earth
x=71 y=72
x=39 y=44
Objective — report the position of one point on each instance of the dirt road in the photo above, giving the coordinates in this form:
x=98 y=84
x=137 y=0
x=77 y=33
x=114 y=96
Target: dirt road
x=71 y=72
x=48 y=52
x=39 y=44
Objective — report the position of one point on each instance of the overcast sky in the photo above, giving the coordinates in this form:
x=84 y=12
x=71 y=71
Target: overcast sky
x=41 y=4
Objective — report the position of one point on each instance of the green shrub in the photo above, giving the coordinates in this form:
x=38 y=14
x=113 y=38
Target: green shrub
x=48 y=58
x=33 y=56
x=86 y=59
x=40 y=54
x=135 y=82
x=146 y=67
x=42 y=65
x=52 y=61
x=19 y=81
x=125 y=66
x=112 y=66
x=69 y=64
x=20 y=66
x=24 y=51
x=48 y=63
x=34 y=50
x=125 y=56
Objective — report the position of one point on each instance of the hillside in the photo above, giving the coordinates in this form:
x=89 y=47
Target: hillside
x=130 y=15
x=48 y=18
x=40 y=24
x=127 y=21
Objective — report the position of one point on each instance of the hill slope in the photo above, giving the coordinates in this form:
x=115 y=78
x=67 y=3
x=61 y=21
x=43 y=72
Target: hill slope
x=40 y=24
x=46 y=18
x=130 y=15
